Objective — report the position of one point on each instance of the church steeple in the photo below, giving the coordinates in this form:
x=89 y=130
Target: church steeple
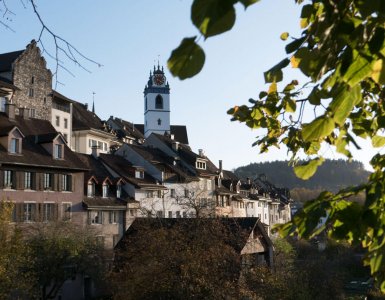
x=157 y=103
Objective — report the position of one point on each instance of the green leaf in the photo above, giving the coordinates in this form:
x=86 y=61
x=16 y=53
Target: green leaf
x=308 y=169
x=213 y=17
x=247 y=3
x=378 y=71
x=289 y=105
x=275 y=73
x=294 y=45
x=344 y=102
x=358 y=70
x=318 y=128
x=187 y=60
x=284 y=36
x=378 y=141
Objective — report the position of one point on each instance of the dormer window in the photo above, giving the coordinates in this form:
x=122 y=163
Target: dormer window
x=58 y=151
x=91 y=189
x=105 y=190
x=201 y=165
x=15 y=145
x=139 y=174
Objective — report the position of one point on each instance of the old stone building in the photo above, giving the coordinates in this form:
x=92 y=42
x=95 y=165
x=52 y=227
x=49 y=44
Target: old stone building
x=27 y=70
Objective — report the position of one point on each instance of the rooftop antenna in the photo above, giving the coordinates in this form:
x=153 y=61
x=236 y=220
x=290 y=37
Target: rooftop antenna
x=93 y=102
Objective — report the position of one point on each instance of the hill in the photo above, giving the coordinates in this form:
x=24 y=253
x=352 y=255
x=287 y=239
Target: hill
x=333 y=175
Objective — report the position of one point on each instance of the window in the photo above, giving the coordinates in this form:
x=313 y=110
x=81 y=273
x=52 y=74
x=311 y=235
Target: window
x=113 y=217
x=149 y=194
x=132 y=212
x=184 y=214
x=172 y=193
x=15 y=145
x=170 y=214
x=91 y=189
x=28 y=180
x=8 y=179
x=30 y=92
x=139 y=174
x=159 y=194
x=159 y=102
x=105 y=190
x=65 y=137
x=118 y=191
x=32 y=113
x=29 y=212
x=32 y=80
x=96 y=217
x=265 y=216
x=159 y=214
x=177 y=214
x=58 y=151
x=48 y=212
x=65 y=123
x=66 y=211
x=48 y=182
x=201 y=165
x=66 y=182
x=159 y=122
x=57 y=121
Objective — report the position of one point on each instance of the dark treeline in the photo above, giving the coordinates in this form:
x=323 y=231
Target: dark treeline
x=333 y=175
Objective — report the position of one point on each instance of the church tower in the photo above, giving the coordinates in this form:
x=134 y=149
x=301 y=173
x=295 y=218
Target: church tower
x=156 y=103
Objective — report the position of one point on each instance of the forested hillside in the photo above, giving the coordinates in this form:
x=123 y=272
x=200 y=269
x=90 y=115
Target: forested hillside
x=332 y=175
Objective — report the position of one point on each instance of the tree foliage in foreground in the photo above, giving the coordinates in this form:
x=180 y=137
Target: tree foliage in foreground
x=341 y=52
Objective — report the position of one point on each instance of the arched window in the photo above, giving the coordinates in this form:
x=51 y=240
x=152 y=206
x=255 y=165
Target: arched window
x=159 y=102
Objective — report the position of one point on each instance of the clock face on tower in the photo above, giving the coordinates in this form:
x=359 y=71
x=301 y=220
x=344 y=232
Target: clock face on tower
x=159 y=79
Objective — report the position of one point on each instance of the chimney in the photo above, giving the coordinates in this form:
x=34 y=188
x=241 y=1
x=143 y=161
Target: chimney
x=201 y=152
x=10 y=110
x=175 y=146
x=24 y=112
x=248 y=180
x=86 y=106
x=95 y=151
x=220 y=165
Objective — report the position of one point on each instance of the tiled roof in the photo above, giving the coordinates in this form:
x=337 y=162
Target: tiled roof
x=229 y=175
x=127 y=129
x=34 y=154
x=239 y=228
x=95 y=168
x=179 y=132
x=6 y=60
x=125 y=169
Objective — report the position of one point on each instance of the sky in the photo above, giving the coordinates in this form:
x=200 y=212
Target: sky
x=127 y=37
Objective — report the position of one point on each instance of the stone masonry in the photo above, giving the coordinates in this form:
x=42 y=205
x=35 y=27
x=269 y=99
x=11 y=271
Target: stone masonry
x=34 y=79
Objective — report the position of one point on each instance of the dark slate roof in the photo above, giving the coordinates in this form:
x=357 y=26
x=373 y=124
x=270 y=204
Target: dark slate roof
x=34 y=154
x=125 y=169
x=127 y=129
x=239 y=228
x=190 y=157
x=223 y=190
x=229 y=175
x=95 y=168
x=158 y=158
x=7 y=59
x=6 y=83
x=112 y=202
x=179 y=132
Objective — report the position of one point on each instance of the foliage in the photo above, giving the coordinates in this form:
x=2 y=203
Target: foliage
x=61 y=251
x=341 y=51
x=183 y=260
x=14 y=256
x=332 y=175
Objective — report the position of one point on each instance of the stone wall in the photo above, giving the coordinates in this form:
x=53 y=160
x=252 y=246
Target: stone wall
x=31 y=76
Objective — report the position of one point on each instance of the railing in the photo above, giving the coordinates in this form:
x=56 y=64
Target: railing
x=64 y=108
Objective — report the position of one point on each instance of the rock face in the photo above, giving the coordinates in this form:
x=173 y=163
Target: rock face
x=31 y=75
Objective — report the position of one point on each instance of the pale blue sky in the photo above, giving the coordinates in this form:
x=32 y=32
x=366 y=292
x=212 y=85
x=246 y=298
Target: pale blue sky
x=127 y=37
